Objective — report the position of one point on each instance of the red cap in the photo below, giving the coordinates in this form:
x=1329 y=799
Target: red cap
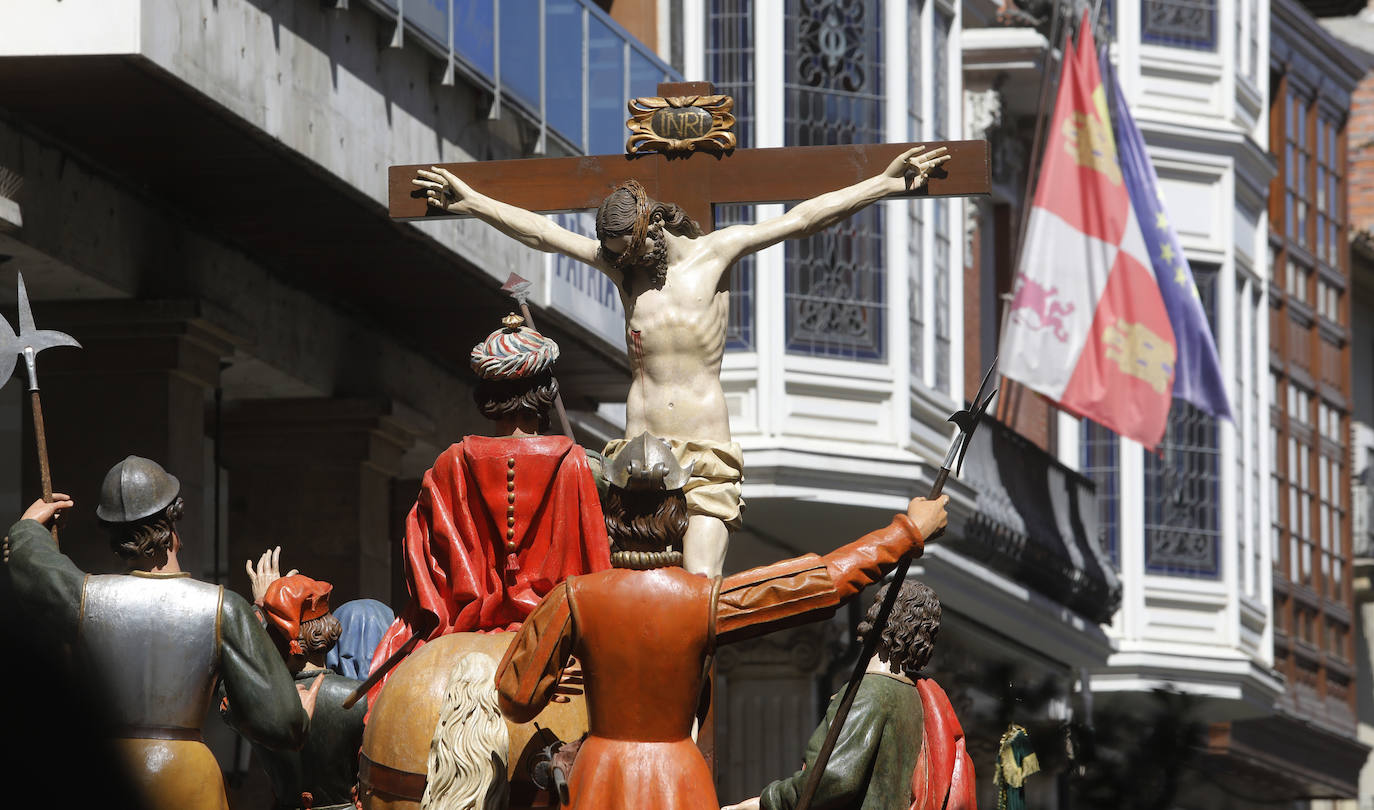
x=293 y=600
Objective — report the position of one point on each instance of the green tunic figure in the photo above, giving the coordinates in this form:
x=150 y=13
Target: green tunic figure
x=901 y=747
x=322 y=774
x=158 y=639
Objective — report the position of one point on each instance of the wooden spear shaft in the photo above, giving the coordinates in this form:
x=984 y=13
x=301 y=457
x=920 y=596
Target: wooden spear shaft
x=558 y=398
x=813 y=774
x=40 y=439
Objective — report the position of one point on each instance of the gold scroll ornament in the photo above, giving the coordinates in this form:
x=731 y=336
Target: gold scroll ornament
x=680 y=125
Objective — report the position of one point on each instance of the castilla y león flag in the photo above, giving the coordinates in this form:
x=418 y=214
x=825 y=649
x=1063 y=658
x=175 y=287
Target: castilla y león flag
x=1087 y=326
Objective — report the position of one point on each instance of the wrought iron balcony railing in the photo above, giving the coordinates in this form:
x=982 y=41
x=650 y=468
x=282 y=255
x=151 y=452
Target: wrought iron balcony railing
x=1036 y=522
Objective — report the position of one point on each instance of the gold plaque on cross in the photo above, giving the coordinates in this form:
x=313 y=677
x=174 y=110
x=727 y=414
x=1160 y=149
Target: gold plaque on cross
x=681 y=124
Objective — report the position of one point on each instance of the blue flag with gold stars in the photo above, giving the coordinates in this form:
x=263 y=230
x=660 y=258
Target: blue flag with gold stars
x=1197 y=371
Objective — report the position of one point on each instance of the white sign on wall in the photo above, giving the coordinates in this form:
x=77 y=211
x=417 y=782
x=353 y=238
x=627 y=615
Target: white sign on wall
x=582 y=293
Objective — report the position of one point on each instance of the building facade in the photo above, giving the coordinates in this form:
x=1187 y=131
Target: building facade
x=196 y=191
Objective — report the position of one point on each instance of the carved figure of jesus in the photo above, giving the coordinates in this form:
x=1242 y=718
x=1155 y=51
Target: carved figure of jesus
x=674 y=284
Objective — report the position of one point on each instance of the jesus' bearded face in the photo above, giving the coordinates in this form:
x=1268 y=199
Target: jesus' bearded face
x=650 y=256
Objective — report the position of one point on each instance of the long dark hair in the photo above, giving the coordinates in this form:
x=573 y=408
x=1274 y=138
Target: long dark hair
x=630 y=211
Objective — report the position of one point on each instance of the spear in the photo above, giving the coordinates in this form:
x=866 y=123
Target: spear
x=967 y=422
x=518 y=288
x=28 y=343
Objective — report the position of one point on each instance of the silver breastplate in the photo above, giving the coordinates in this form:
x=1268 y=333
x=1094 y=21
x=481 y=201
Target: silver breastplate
x=155 y=644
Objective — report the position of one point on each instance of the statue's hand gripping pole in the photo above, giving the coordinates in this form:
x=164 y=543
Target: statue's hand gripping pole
x=967 y=422
x=28 y=343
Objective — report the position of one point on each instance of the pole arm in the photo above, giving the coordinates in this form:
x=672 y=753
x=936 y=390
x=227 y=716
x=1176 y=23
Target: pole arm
x=851 y=689
x=967 y=422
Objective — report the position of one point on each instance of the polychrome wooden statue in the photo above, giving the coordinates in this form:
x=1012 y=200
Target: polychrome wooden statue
x=901 y=747
x=158 y=639
x=323 y=773
x=674 y=285
x=644 y=632
x=499 y=520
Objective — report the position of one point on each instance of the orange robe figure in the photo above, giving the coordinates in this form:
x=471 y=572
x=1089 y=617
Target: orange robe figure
x=644 y=640
x=497 y=523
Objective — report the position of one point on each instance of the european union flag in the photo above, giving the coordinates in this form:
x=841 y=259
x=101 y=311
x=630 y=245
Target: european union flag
x=1197 y=371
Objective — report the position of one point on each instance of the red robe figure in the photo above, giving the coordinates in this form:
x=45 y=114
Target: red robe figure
x=499 y=521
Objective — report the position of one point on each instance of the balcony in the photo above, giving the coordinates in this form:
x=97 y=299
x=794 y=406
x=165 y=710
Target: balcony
x=573 y=83
x=1036 y=523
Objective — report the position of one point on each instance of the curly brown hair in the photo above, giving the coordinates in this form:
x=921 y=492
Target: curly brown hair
x=645 y=520
x=908 y=638
x=534 y=395
x=144 y=539
x=318 y=635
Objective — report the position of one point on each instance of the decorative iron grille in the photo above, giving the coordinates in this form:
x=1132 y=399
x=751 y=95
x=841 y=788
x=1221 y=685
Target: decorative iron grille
x=834 y=280
x=1179 y=23
x=730 y=55
x=1101 y=451
x=1183 y=482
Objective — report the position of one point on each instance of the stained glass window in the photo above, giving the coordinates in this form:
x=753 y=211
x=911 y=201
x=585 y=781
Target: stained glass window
x=730 y=61
x=1183 y=482
x=834 y=95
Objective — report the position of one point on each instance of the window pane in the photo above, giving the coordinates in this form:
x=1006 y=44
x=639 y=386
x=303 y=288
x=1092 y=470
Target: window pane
x=606 y=80
x=563 y=71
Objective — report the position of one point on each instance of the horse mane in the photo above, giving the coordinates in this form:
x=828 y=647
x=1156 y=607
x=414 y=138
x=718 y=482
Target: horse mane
x=468 y=752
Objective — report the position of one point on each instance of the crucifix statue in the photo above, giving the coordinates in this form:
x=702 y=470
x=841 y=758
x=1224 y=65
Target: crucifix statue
x=656 y=242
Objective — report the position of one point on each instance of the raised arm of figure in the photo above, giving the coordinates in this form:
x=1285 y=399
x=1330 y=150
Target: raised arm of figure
x=908 y=171
x=444 y=190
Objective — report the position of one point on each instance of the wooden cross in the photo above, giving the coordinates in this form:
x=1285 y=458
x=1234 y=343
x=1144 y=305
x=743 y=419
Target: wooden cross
x=697 y=182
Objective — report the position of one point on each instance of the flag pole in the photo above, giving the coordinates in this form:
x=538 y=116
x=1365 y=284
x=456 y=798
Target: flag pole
x=1010 y=404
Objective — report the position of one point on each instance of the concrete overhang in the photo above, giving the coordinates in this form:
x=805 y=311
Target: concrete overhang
x=1009 y=59
x=127 y=118
x=1228 y=685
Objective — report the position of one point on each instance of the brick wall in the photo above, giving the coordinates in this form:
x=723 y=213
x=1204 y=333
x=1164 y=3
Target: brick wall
x=1360 y=132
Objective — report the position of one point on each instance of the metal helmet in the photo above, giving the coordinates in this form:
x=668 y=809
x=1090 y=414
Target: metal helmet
x=134 y=489
x=647 y=462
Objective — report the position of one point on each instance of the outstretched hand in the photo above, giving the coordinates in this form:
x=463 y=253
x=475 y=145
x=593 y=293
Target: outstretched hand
x=913 y=167
x=747 y=804
x=444 y=190
x=43 y=511
x=267 y=572
x=929 y=516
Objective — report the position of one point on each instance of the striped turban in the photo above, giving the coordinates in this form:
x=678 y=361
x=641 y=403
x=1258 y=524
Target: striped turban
x=513 y=352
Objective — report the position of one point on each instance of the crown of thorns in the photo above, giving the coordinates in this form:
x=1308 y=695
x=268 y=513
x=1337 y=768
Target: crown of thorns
x=643 y=218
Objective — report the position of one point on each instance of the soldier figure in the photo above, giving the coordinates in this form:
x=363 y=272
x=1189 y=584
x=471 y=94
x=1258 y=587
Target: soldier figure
x=323 y=773
x=159 y=639
x=644 y=632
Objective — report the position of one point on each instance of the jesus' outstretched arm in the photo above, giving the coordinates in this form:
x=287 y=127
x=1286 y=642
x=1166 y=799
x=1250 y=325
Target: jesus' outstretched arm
x=444 y=190
x=907 y=172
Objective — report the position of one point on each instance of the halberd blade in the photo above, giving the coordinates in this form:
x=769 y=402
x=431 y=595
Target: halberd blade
x=967 y=420
x=518 y=287
x=9 y=351
x=30 y=336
